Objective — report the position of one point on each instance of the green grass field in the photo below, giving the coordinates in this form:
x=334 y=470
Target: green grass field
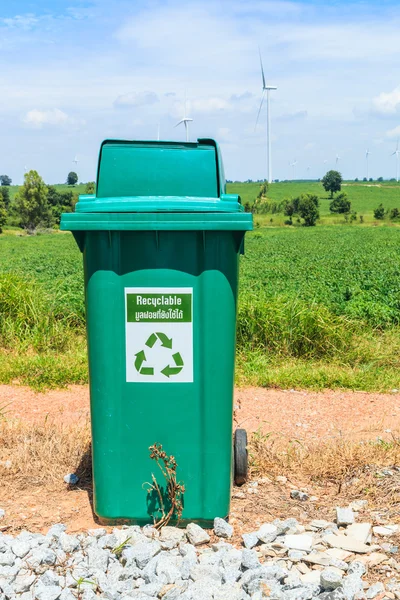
x=60 y=187
x=364 y=197
x=319 y=307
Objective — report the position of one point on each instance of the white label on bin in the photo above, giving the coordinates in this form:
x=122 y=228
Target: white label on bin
x=159 y=335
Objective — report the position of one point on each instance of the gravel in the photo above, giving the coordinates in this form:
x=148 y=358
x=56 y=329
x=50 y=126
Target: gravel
x=71 y=479
x=283 y=560
x=222 y=528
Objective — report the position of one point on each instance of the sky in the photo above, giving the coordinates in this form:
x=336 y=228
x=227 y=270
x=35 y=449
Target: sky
x=74 y=73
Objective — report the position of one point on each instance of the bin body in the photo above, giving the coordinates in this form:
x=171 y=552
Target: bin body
x=161 y=299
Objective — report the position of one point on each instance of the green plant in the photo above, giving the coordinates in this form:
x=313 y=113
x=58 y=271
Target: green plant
x=170 y=499
x=379 y=213
x=263 y=190
x=394 y=213
x=340 y=204
x=308 y=209
x=90 y=187
x=118 y=549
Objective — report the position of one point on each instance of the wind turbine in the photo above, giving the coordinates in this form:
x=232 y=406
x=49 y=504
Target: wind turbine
x=366 y=159
x=158 y=132
x=186 y=120
x=266 y=88
x=76 y=161
x=337 y=159
x=308 y=172
x=397 y=154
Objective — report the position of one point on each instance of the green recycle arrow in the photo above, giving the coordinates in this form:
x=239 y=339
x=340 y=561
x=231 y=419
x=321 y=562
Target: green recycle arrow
x=139 y=360
x=166 y=342
x=168 y=370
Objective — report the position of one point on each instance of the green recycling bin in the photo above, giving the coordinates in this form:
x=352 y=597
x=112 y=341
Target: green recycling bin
x=161 y=242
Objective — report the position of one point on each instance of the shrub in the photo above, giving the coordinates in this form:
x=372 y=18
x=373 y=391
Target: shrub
x=379 y=212
x=341 y=204
x=263 y=190
x=394 y=213
x=308 y=209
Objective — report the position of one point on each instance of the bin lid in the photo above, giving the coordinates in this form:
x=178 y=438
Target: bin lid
x=155 y=176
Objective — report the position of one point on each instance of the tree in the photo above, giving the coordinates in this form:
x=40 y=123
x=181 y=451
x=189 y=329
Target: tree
x=3 y=214
x=394 y=213
x=332 y=182
x=60 y=202
x=32 y=203
x=341 y=204
x=90 y=187
x=5 y=180
x=379 y=212
x=72 y=178
x=308 y=209
x=380 y=179
x=5 y=195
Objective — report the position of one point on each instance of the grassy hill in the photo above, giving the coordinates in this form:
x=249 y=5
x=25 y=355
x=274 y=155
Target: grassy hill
x=364 y=197
x=61 y=187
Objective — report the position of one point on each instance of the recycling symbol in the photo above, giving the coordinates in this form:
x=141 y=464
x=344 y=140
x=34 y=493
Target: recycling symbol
x=166 y=342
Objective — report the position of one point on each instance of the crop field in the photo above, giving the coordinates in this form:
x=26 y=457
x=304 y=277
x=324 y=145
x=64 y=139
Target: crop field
x=318 y=307
x=364 y=197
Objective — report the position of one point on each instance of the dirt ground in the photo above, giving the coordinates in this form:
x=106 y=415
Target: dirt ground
x=290 y=413
x=307 y=416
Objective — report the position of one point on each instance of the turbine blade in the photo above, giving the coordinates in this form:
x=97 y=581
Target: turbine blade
x=262 y=69
x=259 y=110
x=179 y=122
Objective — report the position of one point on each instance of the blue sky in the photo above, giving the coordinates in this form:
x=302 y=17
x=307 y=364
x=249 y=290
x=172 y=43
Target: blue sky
x=77 y=72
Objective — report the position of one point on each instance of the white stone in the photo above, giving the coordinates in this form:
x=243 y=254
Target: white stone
x=385 y=530
x=319 y=523
x=345 y=542
x=318 y=558
x=359 y=531
x=358 y=504
x=374 y=590
x=267 y=533
x=338 y=553
x=222 y=528
x=344 y=516
x=311 y=577
x=196 y=534
x=171 y=537
x=330 y=579
x=250 y=539
x=71 y=478
x=302 y=541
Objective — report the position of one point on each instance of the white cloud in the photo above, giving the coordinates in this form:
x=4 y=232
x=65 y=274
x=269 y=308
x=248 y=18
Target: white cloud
x=393 y=133
x=25 y=22
x=55 y=117
x=136 y=99
x=387 y=103
x=310 y=146
x=209 y=105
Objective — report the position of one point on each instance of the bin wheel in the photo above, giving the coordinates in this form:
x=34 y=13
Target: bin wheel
x=240 y=456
